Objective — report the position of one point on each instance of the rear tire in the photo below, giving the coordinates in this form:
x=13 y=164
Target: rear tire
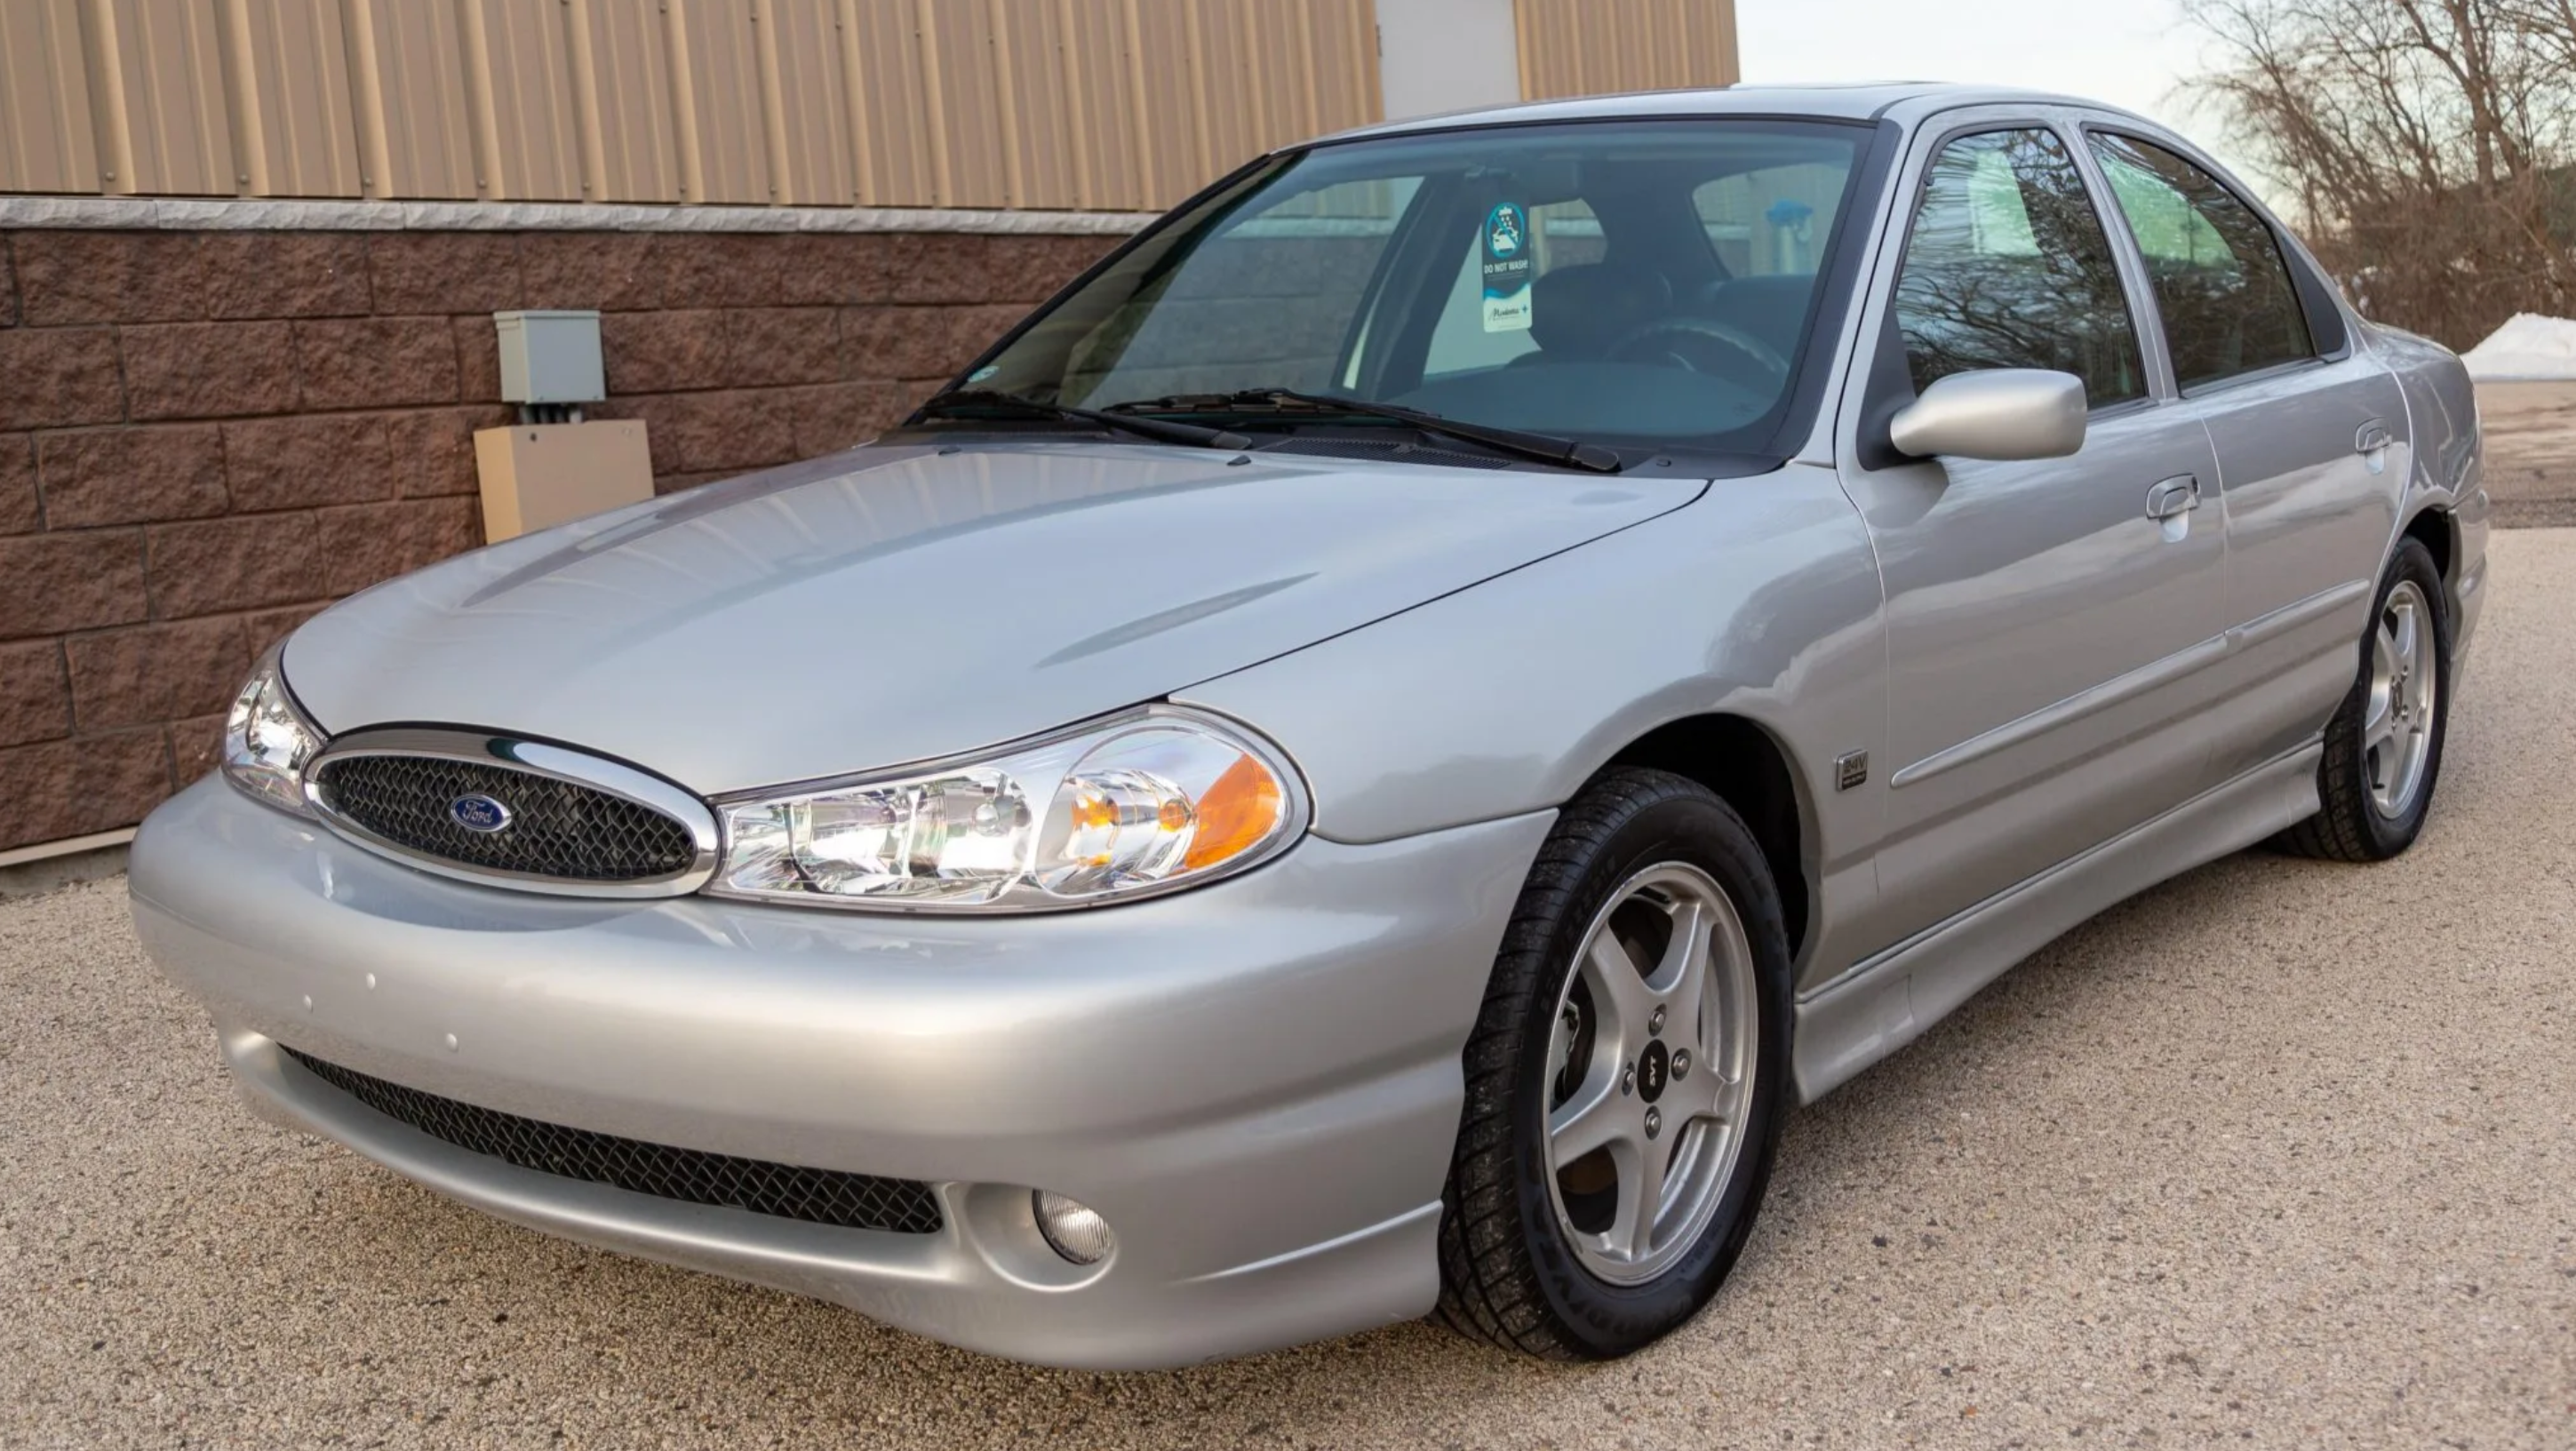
x=2384 y=746
x=1564 y=1251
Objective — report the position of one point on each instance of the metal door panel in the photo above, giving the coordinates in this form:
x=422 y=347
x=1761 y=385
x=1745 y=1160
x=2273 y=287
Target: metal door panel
x=2048 y=648
x=2309 y=511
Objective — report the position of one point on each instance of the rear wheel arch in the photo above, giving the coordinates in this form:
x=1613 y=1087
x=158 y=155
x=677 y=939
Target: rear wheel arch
x=1752 y=771
x=2440 y=533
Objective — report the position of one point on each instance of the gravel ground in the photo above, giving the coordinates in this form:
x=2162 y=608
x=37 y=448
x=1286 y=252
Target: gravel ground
x=2281 y=1155
x=2531 y=452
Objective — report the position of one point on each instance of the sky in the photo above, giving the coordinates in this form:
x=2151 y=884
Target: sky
x=2132 y=53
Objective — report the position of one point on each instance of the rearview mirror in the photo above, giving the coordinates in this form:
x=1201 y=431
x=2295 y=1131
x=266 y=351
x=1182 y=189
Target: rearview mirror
x=1994 y=413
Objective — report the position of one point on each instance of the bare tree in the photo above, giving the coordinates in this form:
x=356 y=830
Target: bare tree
x=2427 y=144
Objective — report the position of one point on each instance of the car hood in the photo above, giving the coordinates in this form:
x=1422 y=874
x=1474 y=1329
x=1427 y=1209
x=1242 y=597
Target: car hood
x=890 y=605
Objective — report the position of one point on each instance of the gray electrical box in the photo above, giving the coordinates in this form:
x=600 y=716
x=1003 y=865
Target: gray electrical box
x=550 y=357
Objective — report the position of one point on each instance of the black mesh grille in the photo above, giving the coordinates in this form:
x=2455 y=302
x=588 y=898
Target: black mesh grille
x=556 y=829
x=817 y=1196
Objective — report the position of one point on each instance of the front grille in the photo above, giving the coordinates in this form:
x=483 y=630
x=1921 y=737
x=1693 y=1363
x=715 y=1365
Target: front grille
x=556 y=828
x=816 y=1196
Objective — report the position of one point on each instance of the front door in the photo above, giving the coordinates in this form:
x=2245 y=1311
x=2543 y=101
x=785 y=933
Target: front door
x=2049 y=624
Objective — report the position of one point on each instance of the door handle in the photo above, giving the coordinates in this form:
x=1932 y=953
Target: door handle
x=2174 y=497
x=2373 y=437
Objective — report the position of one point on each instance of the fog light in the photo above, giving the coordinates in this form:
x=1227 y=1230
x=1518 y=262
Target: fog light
x=1072 y=1228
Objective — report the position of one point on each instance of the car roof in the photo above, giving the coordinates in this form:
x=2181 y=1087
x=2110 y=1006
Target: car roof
x=1855 y=101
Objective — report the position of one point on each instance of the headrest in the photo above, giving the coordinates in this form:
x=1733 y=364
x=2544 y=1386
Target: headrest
x=1580 y=311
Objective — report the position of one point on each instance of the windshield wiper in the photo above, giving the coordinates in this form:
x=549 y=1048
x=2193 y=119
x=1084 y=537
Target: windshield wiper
x=1546 y=448
x=965 y=402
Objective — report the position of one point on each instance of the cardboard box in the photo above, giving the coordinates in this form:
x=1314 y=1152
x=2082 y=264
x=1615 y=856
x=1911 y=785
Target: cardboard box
x=538 y=475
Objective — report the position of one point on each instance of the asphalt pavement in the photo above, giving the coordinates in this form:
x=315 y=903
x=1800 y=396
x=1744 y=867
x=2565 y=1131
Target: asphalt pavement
x=2281 y=1154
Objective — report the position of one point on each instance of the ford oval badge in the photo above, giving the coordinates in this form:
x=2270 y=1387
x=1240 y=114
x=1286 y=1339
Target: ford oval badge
x=478 y=813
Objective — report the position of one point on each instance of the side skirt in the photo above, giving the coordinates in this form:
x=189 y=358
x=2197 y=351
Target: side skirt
x=1886 y=1001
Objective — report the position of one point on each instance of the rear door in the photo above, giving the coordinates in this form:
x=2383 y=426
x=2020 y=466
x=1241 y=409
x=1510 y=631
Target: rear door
x=2310 y=434
x=2048 y=640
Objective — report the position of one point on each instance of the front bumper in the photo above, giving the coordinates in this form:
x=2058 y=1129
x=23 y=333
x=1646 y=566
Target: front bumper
x=1256 y=1083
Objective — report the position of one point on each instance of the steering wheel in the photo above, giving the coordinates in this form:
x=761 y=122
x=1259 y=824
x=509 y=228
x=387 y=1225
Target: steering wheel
x=1706 y=346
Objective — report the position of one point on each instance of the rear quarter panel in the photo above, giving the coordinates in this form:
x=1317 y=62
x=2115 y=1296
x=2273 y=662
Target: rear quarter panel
x=2448 y=470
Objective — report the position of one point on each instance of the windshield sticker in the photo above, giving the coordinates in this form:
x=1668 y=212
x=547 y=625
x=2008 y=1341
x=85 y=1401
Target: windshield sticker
x=984 y=372
x=1508 y=269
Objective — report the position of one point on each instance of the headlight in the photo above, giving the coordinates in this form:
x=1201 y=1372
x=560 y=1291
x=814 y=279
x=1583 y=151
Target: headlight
x=1142 y=804
x=267 y=740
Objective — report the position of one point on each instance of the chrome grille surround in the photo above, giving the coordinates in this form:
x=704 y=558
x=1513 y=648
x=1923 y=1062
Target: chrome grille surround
x=476 y=755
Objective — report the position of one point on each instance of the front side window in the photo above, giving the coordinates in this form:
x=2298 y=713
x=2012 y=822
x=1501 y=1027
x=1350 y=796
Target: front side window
x=2216 y=268
x=1648 y=282
x=2008 y=267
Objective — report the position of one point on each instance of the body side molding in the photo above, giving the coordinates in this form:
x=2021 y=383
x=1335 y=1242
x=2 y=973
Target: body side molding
x=1887 y=1001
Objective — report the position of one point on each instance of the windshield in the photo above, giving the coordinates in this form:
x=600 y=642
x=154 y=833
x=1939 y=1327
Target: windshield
x=1648 y=282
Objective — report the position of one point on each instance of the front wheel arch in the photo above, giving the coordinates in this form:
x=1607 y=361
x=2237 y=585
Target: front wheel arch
x=1751 y=770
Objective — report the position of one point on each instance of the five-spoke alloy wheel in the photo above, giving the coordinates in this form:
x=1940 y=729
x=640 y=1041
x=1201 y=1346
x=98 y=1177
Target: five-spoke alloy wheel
x=2397 y=729
x=1626 y=1080
x=2383 y=749
x=1648 y=1081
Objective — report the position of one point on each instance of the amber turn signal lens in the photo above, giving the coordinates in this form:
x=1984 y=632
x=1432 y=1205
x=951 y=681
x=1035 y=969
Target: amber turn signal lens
x=1235 y=815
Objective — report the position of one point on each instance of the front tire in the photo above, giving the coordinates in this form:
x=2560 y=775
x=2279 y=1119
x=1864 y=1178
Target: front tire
x=1626 y=1081
x=2384 y=746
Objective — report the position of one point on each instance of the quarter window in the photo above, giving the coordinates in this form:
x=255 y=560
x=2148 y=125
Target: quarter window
x=2009 y=267
x=2216 y=268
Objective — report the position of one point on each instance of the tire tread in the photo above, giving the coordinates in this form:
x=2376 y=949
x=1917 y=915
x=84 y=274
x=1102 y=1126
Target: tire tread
x=2342 y=829
x=1489 y=1289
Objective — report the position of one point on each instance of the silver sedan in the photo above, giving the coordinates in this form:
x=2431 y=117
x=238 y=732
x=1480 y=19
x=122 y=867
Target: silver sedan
x=1361 y=761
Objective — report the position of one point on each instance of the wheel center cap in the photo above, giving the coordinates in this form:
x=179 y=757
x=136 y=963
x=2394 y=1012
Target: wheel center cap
x=1653 y=1069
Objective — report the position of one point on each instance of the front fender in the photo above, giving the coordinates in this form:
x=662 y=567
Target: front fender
x=1760 y=600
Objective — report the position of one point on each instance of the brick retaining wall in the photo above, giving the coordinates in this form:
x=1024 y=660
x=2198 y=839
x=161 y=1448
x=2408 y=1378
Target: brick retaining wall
x=207 y=436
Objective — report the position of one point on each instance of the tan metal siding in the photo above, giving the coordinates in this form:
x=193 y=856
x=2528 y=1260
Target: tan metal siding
x=1100 y=105
x=630 y=57
x=420 y=67
x=169 y=61
x=1598 y=47
x=720 y=111
x=808 y=101
x=957 y=64
x=296 y=97
x=898 y=164
x=1042 y=104
x=46 y=130
x=1038 y=139
x=526 y=63
x=1171 y=135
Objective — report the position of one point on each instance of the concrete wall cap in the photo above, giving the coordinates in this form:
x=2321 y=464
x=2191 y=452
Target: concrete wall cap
x=261 y=214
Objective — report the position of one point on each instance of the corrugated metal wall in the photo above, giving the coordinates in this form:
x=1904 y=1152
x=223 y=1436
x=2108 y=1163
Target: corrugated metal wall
x=1112 y=105
x=1590 y=47
x=1107 y=105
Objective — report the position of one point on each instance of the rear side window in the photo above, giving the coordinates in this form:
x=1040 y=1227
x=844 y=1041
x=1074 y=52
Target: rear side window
x=2009 y=267
x=2217 y=270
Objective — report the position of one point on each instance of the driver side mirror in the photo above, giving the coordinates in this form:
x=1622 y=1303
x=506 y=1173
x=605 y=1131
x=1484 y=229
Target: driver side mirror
x=2003 y=414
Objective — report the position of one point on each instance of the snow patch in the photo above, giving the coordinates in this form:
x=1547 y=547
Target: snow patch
x=2528 y=348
